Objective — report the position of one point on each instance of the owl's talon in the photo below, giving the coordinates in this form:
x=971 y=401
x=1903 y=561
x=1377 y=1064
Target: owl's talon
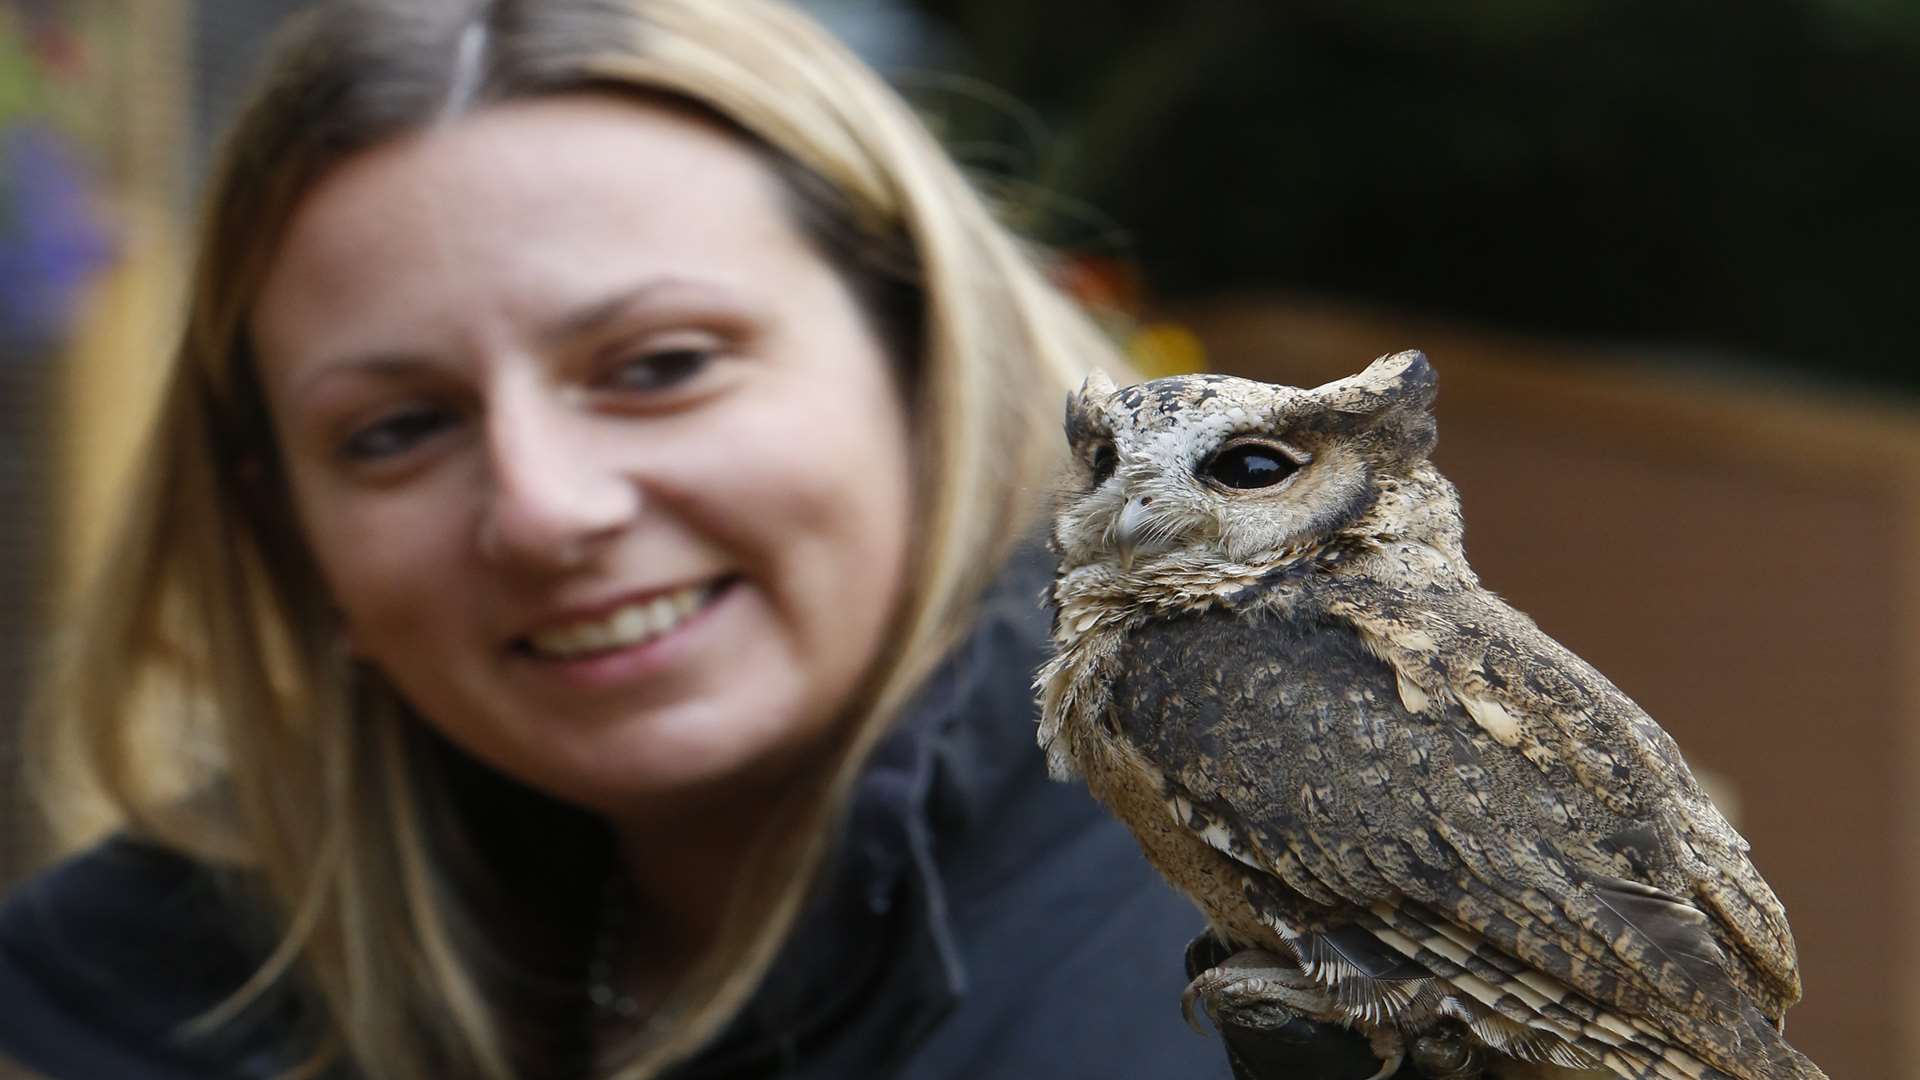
x=1187 y=998
x=1255 y=989
x=1387 y=1045
x=1446 y=1053
x=1391 y=1066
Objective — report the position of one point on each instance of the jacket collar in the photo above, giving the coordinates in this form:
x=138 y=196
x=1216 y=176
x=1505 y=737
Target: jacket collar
x=882 y=912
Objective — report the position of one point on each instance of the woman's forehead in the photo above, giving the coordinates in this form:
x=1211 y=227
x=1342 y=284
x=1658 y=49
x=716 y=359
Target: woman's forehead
x=537 y=159
x=533 y=205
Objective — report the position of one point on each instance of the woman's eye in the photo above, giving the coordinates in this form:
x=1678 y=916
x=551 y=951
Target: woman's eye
x=1105 y=460
x=661 y=369
x=395 y=433
x=1249 y=465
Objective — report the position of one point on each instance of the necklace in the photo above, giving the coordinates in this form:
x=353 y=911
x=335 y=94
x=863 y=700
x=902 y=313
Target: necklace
x=609 y=1001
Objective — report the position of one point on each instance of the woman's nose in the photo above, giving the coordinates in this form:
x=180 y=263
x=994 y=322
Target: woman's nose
x=555 y=497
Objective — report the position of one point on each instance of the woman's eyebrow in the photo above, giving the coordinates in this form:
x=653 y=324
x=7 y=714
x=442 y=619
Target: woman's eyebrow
x=378 y=365
x=681 y=291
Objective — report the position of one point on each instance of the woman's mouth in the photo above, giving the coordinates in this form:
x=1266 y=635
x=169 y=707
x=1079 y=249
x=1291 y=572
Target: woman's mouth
x=624 y=627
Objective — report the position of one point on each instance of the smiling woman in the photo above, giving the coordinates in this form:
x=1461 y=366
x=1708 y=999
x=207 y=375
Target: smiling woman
x=574 y=619
x=557 y=490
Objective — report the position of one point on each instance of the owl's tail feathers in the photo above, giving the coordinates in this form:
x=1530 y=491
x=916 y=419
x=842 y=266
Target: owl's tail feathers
x=1750 y=1048
x=1795 y=1066
x=1630 y=1047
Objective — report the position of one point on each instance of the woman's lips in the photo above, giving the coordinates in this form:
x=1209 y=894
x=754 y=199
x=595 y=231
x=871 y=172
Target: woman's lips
x=628 y=641
x=624 y=626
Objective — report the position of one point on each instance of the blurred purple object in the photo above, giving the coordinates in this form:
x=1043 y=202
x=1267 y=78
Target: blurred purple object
x=51 y=241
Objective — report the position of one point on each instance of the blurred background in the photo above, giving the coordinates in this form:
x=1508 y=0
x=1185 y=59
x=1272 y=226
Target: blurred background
x=1663 y=256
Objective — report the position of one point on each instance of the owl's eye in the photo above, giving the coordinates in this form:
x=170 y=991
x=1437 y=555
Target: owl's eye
x=1105 y=460
x=1249 y=465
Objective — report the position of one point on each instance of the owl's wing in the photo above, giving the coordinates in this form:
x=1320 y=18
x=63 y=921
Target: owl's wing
x=1392 y=804
x=1535 y=697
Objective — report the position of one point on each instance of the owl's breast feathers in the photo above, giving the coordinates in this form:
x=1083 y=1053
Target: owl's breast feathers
x=1422 y=768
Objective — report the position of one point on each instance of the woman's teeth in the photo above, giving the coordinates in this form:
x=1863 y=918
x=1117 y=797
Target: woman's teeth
x=621 y=628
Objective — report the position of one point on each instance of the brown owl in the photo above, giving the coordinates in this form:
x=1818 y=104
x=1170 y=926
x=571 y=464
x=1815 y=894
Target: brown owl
x=1401 y=804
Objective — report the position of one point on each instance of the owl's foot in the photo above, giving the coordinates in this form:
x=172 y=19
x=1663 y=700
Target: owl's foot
x=1256 y=989
x=1446 y=1053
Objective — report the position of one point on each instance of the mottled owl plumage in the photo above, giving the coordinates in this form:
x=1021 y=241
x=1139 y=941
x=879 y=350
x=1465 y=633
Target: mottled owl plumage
x=1274 y=663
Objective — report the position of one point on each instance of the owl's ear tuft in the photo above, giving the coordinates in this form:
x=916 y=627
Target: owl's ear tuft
x=1085 y=417
x=1404 y=377
x=1393 y=398
x=1086 y=408
x=1098 y=385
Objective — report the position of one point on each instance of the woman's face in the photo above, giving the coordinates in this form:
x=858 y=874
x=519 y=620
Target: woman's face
x=601 y=462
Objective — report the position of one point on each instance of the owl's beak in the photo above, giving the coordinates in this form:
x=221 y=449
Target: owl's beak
x=1127 y=530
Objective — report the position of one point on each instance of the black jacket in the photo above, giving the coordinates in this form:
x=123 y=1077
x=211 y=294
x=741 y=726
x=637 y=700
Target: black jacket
x=980 y=921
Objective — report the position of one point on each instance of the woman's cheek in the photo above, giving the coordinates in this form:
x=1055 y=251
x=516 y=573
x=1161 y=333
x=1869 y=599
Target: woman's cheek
x=392 y=562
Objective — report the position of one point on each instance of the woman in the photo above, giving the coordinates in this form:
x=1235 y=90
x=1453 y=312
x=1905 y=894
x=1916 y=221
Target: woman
x=569 y=623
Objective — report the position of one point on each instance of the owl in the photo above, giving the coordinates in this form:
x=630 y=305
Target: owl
x=1397 y=802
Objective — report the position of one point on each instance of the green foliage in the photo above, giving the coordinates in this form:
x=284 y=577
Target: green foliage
x=19 y=77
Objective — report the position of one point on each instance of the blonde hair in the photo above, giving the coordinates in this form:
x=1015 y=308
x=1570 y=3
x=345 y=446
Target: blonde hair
x=234 y=730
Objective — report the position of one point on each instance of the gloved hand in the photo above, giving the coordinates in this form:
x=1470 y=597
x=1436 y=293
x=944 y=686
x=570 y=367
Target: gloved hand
x=1298 y=1050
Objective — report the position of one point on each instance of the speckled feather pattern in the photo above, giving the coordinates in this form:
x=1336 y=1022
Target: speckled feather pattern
x=1350 y=754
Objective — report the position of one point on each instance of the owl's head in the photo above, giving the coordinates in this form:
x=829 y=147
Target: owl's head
x=1217 y=468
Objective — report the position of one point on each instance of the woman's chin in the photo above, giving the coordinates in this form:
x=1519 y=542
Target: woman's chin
x=676 y=762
